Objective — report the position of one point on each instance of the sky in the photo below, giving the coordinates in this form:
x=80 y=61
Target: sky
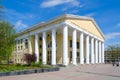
x=25 y=13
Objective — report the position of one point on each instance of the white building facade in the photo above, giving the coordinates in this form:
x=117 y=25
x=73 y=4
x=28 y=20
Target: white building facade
x=63 y=41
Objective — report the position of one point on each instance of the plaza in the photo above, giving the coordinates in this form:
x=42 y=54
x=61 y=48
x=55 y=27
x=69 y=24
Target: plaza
x=85 y=72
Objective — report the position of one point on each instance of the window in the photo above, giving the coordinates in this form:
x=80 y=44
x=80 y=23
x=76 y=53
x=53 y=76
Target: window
x=40 y=54
x=70 y=54
x=70 y=43
x=40 y=46
x=26 y=43
x=18 y=41
x=78 y=54
x=50 y=43
x=40 y=38
x=21 y=47
x=21 y=41
x=48 y=35
x=77 y=45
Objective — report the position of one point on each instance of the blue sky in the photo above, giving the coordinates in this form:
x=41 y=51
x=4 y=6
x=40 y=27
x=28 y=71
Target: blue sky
x=25 y=13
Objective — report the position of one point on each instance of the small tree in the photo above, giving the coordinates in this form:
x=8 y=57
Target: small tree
x=29 y=58
x=7 y=37
x=114 y=52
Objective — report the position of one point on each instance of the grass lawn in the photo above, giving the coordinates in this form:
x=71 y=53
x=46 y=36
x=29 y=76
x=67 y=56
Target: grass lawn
x=8 y=68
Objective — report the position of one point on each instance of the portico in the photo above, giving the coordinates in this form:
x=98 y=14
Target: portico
x=65 y=42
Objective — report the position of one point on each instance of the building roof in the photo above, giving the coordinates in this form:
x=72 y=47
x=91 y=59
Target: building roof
x=41 y=24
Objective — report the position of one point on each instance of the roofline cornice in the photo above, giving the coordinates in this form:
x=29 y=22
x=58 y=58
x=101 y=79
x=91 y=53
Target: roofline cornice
x=66 y=16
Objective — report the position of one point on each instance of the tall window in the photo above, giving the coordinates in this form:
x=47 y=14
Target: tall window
x=77 y=45
x=18 y=41
x=21 y=41
x=26 y=43
x=40 y=38
x=70 y=43
x=40 y=46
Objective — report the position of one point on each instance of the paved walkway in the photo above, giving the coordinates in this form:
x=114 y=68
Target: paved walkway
x=85 y=72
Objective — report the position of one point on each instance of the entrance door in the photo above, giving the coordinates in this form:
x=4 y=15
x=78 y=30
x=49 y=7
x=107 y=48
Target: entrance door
x=49 y=57
x=78 y=57
x=70 y=57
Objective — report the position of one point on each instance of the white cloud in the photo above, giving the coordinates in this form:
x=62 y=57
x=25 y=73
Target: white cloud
x=65 y=9
x=112 y=35
x=74 y=11
x=90 y=14
x=118 y=25
x=82 y=5
x=52 y=3
x=13 y=13
x=19 y=25
x=112 y=38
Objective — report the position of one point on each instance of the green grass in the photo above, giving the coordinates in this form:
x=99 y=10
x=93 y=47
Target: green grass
x=8 y=68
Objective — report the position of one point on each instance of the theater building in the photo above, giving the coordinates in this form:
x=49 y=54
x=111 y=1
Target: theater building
x=67 y=39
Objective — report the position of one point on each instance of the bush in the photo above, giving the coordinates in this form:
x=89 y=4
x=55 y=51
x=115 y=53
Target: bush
x=17 y=64
x=38 y=64
x=29 y=58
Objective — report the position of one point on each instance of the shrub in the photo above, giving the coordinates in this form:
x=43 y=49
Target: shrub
x=29 y=58
x=38 y=64
x=17 y=64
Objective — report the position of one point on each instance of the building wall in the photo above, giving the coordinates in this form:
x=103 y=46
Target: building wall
x=31 y=48
x=19 y=51
x=87 y=25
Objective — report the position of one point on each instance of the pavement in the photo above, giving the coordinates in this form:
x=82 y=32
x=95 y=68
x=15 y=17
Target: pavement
x=79 y=72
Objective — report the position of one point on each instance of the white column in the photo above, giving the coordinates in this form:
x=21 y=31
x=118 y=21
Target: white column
x=81 y=48
x=92 y=50
x=102 y=52
x=44 y=48
x=99 y=52
x=53 y=47
x=87 y=49
x=74 y=47
x=65 y=45
x=96 y=51
x=37 y=47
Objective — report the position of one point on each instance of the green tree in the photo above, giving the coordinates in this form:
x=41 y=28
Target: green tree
x=113 y=51
x=1 y=11
x=7 y=37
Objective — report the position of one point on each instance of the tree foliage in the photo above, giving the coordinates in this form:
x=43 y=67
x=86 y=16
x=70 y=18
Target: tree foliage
x=29 y=58
x=113 y=51
x=1 y=11
x=7 y=36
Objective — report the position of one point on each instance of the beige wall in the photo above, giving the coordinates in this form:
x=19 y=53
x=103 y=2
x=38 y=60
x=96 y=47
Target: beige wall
x=87 y=25
x=84 y=24
x=18 y=54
